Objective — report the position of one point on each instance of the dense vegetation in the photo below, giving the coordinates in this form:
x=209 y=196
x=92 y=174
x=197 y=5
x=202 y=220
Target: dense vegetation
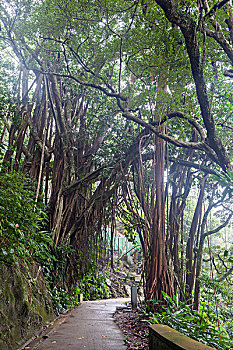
x=120 y=112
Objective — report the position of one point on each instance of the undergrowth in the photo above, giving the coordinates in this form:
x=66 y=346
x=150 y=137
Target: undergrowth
x=22 y=237
x=93 y=284
x=200 y=325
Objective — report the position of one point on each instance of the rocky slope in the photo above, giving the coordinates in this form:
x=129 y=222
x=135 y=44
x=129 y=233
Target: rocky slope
x=25 y=306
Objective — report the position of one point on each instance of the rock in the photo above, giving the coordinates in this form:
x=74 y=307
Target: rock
x=24 y=304
x=108 y=282
x=127 y=289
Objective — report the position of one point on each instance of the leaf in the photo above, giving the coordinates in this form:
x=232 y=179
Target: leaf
x=226 y=253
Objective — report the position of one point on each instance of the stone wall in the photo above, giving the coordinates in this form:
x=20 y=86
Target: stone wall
x=162 y=337
x=25 y=306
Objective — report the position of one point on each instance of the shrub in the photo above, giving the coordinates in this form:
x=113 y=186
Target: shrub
x=201 y=326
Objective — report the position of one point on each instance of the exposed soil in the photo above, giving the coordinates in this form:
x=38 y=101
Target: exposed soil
x=120 y=280
x=135 y=326
x=118 y=283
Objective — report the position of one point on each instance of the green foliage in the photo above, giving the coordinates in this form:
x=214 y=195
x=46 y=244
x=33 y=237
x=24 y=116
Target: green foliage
x=54 y=268
x=61 y=299
x=20 y=221
x=201 y=326
x=21 y=236
x=93 y=284
x=224 y=299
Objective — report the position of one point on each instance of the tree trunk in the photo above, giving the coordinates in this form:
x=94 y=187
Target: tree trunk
x=157 y=274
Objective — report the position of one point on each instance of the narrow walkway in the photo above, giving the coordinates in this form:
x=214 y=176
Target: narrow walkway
x=90 y=327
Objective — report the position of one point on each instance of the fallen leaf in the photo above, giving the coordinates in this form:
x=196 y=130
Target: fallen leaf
x=104 y=336
x=80 y=338
x=53 y=342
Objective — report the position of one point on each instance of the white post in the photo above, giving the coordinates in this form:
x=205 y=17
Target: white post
x=81 y=298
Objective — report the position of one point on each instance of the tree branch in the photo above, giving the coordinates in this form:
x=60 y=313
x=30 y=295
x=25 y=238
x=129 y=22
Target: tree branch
x=205 y=169
x=219 y=228
x=216 y=7
x=223 y=277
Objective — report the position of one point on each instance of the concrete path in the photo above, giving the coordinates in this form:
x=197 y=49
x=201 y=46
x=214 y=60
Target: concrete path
x=89 y=327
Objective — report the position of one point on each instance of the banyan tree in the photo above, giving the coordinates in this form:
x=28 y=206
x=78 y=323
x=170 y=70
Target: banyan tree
x=115 y=112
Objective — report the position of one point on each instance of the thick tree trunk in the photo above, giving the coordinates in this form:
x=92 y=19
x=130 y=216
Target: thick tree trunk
x=157 y=274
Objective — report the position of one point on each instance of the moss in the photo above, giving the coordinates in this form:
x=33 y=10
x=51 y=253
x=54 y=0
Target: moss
x=24 y=305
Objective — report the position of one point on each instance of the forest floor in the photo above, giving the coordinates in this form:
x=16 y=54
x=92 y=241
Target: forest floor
x=135 y=327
